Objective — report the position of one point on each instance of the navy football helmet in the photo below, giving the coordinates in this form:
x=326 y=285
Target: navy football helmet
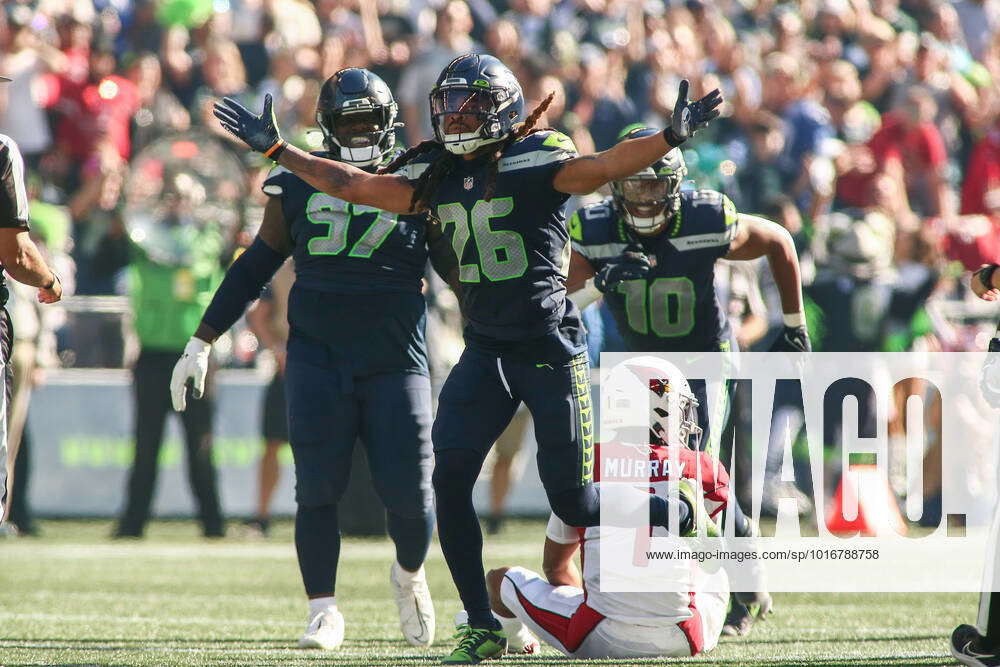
x=486 y=92
x=646 y=200
x=357 y=114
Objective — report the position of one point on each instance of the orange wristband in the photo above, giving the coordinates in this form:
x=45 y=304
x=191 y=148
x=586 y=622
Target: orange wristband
x=276 y=149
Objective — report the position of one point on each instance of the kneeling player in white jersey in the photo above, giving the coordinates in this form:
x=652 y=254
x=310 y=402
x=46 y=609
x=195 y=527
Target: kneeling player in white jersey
x=572 y=613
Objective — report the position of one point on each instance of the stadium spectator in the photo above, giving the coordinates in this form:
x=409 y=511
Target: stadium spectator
x=224 y=76
x=805 y=161
x=102 y=106
x=27 y=58
x=981 y=189
x=160 y=112
x=980 y=21
x=101 y=247
x=764 y=179
x=600 y=104
x=180 y=71
x=451 y=39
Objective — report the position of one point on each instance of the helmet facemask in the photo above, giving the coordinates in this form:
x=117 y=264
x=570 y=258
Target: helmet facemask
x=466 y=118
x=673 y=416
x=646 y=201
x=362 y=131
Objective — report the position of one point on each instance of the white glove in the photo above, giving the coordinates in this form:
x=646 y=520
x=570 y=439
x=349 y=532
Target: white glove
x=193 y=364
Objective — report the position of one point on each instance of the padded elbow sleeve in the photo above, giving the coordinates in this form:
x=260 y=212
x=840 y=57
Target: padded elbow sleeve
x=243 y=283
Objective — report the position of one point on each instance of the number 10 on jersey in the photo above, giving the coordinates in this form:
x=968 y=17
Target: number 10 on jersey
x=665 y=305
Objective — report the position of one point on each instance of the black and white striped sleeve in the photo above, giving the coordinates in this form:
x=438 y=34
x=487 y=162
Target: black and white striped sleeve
x=13 y=196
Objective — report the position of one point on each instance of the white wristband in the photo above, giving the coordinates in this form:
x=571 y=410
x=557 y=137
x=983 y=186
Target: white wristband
x=794 y=320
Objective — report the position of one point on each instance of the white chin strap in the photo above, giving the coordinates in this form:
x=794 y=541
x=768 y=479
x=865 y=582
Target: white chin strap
x=464 y=143
x=646 y=225
x=362 y=157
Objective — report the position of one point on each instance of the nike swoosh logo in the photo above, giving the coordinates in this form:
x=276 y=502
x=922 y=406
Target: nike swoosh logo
x=967 y=650
x=422 y=637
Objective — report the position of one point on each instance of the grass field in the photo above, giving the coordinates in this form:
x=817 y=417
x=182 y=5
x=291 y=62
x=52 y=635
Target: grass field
x=75 y=597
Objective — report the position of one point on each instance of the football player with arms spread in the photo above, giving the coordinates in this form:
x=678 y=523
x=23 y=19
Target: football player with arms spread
x=356 y=345
x=498 y=190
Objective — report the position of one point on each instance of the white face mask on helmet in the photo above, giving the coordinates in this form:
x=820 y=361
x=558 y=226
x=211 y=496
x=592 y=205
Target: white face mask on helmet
x=364 y=147
x=645 y=201
x=648 y=400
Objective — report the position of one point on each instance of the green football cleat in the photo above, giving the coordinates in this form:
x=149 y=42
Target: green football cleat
x=476 y=645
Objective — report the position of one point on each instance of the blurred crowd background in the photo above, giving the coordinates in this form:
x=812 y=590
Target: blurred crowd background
x=869 y=128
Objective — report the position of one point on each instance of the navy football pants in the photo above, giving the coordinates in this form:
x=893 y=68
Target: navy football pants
x=477 y=402
x=329 y=409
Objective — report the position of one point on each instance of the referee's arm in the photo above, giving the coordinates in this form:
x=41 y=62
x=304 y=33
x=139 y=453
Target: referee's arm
x=18 y=253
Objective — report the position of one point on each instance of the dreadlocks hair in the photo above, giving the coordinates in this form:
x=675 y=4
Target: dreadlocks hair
x=521 y=131
x=437 y=170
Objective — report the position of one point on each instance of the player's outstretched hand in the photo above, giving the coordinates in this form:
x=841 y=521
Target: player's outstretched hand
x=193 y=365
x=792 y=339
x=631 y=265
x=689 y=117
x=989 y=379
x=258 y=132
x=982 y=283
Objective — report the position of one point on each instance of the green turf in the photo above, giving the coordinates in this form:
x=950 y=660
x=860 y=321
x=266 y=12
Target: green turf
x=75 y=597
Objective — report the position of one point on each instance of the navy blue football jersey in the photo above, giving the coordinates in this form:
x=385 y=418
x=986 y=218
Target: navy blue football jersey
x=358 y=273
x=513 y=251
x=675 y=307
x=348 y=248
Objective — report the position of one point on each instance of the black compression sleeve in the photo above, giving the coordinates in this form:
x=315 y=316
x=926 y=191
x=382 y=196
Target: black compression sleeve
x=243 y=283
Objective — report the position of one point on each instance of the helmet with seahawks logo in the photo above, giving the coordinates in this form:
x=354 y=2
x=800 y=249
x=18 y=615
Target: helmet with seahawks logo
x=646 y=200
x=482 y=88
x=357 y=114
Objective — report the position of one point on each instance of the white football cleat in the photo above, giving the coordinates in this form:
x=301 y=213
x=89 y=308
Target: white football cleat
x=325 y=630
x=413 y=599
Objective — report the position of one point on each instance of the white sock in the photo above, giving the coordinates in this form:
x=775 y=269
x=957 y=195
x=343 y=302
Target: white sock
x=405 y=577
x=318 y=605
x=511 y=626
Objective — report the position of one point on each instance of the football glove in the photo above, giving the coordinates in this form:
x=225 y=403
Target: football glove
x=258 y=132
x=989 y=380
x=792 y=339
x=631 y=265
x=193 y=365
x=688 y=117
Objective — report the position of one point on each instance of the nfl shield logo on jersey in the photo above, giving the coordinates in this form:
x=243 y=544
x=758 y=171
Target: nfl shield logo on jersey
x=468 y=183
